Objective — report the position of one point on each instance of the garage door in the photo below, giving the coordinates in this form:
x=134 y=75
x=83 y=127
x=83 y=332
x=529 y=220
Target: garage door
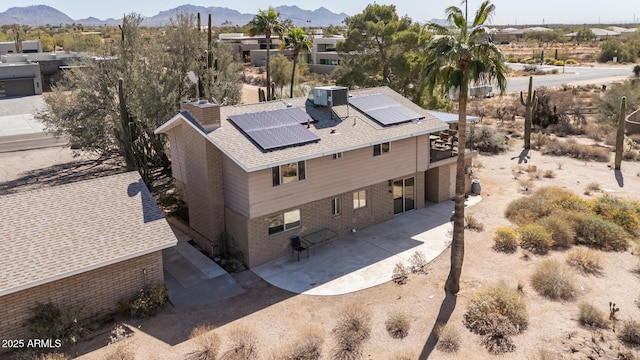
x=22 y=87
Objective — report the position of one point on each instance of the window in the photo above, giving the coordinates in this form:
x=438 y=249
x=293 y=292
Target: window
x=283 y=222
x=336 y=206
x=359 y=199
x=337 y=156
x=380 y=149
x=287 y=173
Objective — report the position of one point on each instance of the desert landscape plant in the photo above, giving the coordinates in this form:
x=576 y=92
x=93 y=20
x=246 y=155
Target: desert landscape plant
x=598 y=233
x=497 y=299
x=352 y=329
x=562 y=233
x=536 y=239
x=630 y=333
x=400 y=274
x=243 y=344
x=554 y=280
x=549 y=174
x=592 y=317
x=448 y=338
x=398 y=324
x=307 y=345
x=586 y=261
x=529 y=104
x=506 y=240
x=207 y=343
x=472 y=223
x=418 y=263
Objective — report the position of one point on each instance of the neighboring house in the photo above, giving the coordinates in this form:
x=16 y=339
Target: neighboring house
x=89 y=243
x=28 y=46
x=19 y=76
x=251 y=49
x=255 y=175
x=324 y=58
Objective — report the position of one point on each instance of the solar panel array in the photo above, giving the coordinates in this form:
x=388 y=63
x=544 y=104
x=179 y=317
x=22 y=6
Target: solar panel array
x=277 y=128
x=384 y=109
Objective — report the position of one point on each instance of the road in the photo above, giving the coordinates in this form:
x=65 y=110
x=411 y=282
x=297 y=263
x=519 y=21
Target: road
x=573 y=75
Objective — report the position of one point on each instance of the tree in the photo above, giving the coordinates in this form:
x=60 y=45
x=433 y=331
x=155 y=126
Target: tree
x=457 y=57
x=636 y=70
x=298 y=42
x=281 y=72
x=267 y=23
x=585 y=34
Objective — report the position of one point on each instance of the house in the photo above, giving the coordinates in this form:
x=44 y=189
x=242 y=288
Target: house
x=28 y=46
x=19 y=76
x=324 y=58
x=253 y=176
x=88 y=243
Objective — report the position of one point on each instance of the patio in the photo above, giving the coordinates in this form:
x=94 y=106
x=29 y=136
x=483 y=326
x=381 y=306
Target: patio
x=366 y=258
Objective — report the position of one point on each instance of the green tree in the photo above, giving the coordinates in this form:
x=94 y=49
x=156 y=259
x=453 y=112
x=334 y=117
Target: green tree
x=615 y=48
x=267 y=23
x=281 y=72
x=610 y=104
x=297 y=41
x=585 y=34
x=457 y=57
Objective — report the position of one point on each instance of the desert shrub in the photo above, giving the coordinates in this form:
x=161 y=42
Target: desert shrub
x=630 y=333
x=206 y=343
x=471 y=223
x=591 y=188
x=586 y=261
x=487 y=139
x=498 y=341
x=400 y=274
x=149 y=300
x=617 y=211
x=561 y=231
x=539 y=140
x=498 y=299
x=549 y=174
x=542 y=354
x=418 y=263
x=120 y=347
x=398 y=324
x=559 y=63
x=244 y=344
x=571 y=62
x=598 y=233
x=308 y=345
x=535 y=239
x=448 y=339
x=591 y=317
x=526 y=185
x=554 y=280
x=573 y=149
x=352 y=329
x=506 y=240
x=543 y=202
x=50 y=322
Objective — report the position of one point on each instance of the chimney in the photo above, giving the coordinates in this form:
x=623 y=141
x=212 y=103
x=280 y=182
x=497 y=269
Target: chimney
x=206 y=113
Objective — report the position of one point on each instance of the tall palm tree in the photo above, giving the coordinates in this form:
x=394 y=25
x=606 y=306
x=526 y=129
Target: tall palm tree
x=456 y=57
x=298 y=42
x=267 y=23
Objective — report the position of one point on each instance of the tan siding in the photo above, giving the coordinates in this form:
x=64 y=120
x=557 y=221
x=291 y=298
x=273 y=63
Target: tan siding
x=326 y=177
x=423 y=153
x=177 y=148
x=236 y=187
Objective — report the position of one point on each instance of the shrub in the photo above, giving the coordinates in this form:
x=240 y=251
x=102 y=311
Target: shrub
x=586 y=261
x=591 y=188
x=598 y=233
x=244 y=344
x=571 y=62
x=591 y=317
x=308 y=345
x=206 y=342
x=526 y=186
x=617 y=211
x=120 y=347
x=448 y=339
x=400 y=274
x=553 y=280
x=576 y=150
x=418 y=263
x=549 y=174
x=561 y=231
x=535 y=239
x=398 y=325
x=352 y=329
x=498 y=341
x=149 y=300
x=471 y=223
x=506 y=240
x=498 y=299
x=559 y=63
x=630 y=333
x=50 y=322
x=487 y=139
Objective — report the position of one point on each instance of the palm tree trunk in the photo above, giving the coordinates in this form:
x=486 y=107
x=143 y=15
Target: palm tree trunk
x=293 y=72
x=457 y=245
x=267 y=34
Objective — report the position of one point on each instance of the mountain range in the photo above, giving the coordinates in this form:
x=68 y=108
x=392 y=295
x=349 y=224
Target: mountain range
x=38 y=15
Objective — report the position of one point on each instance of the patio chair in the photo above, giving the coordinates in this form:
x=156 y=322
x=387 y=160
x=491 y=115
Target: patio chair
x=298 y=246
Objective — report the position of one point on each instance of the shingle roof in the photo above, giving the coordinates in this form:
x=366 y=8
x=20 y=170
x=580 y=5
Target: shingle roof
x=352 y=132
x=52 y=233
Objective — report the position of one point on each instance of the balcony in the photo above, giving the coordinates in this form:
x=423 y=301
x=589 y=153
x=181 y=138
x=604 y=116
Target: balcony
x=443 y=145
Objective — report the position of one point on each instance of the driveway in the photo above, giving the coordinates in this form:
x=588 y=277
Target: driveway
x=364 y=259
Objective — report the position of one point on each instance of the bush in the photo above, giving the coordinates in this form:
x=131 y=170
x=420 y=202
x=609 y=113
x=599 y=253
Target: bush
x=571 y=62
x=573 y=149
x=559 y=63
x=149 y=300
x=496 y=299
x=448 y=339
x=487 y=139
x=586 y=261
x=535 y=239
x=398 y=325
x=400 y=274
x=120 y=347
x=619 y=212
x=50 y=322
x=553 y=280
x=591 y=188
x=352 y=329
x=244 y=344
x=591 y=317
x=308 y=345
x=542 y=203
x=595 y=232
x=562 y=233
x=549 y=174
x=471 y=223
x=206 y=342
x=630 y=333
x=499 y=340
x=418 y=263
x=506 y=240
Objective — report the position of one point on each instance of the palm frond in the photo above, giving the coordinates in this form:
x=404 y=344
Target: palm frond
x=485 y=12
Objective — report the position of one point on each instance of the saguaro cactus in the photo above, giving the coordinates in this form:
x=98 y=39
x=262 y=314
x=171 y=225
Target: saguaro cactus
x=620 y=134
x=530 y=104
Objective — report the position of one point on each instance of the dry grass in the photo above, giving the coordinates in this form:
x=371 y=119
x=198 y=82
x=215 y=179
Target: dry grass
x=498 y=299
x=398 y=324
x=526 y=186
x=54 y=356
x=554 y=280
x=308 y=345
x=591 y=188
x=542 y=354
x=206 y=343
x=630 y=333
x=586 y=261
x=549 y=174
x=400 y=274
x=418 y=263
x=352 y=329
x=471 y=223
x=536 y=239
x=591 y=317
x=506 y=240
x=576 y=150
x=243 y=344
x=448 y=338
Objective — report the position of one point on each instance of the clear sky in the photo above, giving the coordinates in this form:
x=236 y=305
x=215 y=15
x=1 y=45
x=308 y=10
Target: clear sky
x=512 y=12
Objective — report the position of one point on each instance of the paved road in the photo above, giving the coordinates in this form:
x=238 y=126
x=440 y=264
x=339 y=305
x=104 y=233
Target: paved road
x=572 y=75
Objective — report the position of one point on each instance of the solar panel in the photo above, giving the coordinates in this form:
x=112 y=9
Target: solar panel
x=383 y=109
x=276 y=129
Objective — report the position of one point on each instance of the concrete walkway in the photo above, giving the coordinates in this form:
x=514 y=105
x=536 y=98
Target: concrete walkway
x=365 y=259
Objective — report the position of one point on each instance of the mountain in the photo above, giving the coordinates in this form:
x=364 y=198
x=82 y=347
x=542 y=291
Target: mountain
x=42 y=15
x=37 y=15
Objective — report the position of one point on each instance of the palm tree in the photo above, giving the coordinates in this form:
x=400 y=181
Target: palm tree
x=267 y=23
x=456 y=57
x=298 y=42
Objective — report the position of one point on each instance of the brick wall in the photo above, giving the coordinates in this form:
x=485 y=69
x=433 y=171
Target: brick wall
x=97 y=290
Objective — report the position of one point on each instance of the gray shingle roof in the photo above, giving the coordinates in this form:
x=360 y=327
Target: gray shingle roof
x=355 y=131
x=56 y=232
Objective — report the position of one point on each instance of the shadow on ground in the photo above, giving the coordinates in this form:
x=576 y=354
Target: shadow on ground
x=446 y=309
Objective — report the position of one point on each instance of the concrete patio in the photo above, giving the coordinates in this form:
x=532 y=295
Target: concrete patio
x=366 y=258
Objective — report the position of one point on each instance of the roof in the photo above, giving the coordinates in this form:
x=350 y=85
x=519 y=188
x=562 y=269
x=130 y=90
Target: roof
x=451 y=118
x=56 y=232
x=346 y=129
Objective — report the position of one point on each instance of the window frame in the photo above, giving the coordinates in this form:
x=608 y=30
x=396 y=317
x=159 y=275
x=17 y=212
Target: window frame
x=277 y=177
x=336 y=206
x=337 y=156
x=282 y=219
x=379 y=149
x=360 y=197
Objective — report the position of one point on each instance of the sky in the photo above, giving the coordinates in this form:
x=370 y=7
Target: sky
x=508 y=12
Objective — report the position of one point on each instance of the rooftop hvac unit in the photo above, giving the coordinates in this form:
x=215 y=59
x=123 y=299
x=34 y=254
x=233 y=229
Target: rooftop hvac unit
x=329 y=96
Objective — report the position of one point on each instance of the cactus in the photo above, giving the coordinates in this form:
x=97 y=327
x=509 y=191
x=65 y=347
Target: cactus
x=199 y=23
x=126 y=137
x=209 y=53
x=273 y=91
x=612 y=315
x=530 y=104
x=261 y=95
x=620 y=134
x=542 y=57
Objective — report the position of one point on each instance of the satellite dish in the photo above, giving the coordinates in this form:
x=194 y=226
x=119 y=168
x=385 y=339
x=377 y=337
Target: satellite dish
x=192 y=77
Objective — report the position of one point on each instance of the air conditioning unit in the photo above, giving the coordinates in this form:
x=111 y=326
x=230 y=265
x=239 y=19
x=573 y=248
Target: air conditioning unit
x=329 y=95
